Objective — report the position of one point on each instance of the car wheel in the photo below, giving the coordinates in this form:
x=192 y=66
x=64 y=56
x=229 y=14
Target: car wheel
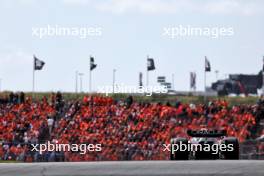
x=179 y=155
x=231 y=155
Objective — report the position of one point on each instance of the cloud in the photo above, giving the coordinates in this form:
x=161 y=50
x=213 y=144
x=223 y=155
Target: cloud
x=18 y=57
x=16 y=69
x=223 y=7
x=233 y=7
x=143 y=6
x=77 y=2
x=7 y=4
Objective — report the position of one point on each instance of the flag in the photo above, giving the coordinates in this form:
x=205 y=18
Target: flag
x=92 y=64
x=193 y=80
x=140 y=79
x=151 y=64
x=207 y=65
x=38 y=64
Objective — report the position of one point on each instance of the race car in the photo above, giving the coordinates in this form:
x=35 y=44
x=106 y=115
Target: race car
x=205 y=144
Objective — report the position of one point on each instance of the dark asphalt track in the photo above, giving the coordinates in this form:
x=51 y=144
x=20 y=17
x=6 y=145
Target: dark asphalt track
x=134 y=168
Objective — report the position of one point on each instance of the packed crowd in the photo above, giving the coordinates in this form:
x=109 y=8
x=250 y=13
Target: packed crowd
x=126 y=129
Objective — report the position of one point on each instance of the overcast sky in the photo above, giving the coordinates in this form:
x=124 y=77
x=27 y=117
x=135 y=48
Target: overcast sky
x=131 y=30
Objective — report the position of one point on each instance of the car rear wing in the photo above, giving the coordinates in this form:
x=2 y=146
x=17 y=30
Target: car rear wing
x=206 y=133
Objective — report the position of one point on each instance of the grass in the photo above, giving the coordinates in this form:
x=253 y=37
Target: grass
x=8 y=161
x=154 y=98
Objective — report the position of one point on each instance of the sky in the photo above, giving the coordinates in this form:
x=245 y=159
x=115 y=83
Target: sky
x=130 y=30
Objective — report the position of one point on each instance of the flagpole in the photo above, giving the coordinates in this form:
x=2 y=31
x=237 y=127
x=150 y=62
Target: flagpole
x=147 y=79
x=114 y=71
x=90 y=81
x=90 y=77
x=205 y=93
x=173 y=81
x=76 y=82
x=80 y=74
x=147 y=76
x=33 y=79
x=191 y=82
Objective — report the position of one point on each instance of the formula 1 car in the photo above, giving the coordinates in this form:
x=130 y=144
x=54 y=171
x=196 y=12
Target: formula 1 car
x=205 y=144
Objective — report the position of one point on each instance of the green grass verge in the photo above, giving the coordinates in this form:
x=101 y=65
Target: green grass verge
x=4 y=161
x=154 y=98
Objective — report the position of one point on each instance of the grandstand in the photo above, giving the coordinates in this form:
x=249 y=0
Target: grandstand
x=128 y=129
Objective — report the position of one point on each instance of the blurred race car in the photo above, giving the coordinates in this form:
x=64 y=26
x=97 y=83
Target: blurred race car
x=205 y=144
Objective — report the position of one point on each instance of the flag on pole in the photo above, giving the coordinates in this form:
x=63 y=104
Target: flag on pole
x=38 y=64
x=151 y=64
x=207 y=65
x=92 y=64
x=193 y=80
